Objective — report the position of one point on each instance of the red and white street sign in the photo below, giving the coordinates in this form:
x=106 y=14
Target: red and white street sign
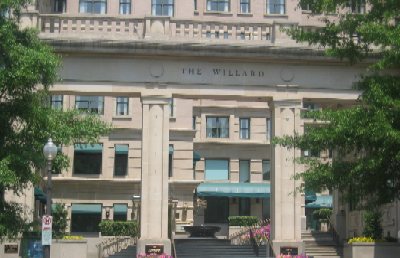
x=47 y=224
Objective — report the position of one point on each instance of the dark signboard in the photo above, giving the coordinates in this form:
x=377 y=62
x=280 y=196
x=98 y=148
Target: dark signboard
x=154 y=249
x=289 y=250
x=10 y=248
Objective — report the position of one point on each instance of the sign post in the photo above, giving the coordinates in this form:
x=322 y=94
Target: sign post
x=47 y=225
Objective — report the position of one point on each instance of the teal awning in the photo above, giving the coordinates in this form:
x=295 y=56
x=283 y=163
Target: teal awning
x=120 y=208
x=322 y=201
x=89 y=148
x=121 y=149
x=39 y=194
x=310 y=196
x=86 y=208
x=252 y=190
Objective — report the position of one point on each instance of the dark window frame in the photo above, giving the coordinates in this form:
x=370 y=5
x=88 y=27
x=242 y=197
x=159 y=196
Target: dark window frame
x=92 y=4
x=245 y=6
x=274 y=7
x=218 y=5
x=122 y=102
x=167 y=8
x=217 y=131
x=125 y=5
x=89 y=102
x=243 y=130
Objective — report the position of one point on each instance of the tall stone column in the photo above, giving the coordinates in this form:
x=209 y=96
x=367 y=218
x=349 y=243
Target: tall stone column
x=286 y=210
x=154 y=190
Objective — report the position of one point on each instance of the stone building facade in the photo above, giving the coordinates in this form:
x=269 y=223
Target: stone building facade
x=194 y=91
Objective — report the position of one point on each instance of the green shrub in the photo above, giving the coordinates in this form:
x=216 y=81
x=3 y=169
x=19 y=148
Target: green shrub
x=372 y=222
x=242 y=220
x=60 y=214
x=119 y=228
x=323 y=215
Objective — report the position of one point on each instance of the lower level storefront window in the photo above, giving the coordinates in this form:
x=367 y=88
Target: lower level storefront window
x=217 y=210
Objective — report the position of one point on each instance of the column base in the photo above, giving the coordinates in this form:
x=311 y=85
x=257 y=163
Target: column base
x=141 y=245
x=285 y=246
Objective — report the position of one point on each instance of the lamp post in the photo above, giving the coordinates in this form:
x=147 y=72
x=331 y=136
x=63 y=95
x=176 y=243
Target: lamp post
x=49 y=152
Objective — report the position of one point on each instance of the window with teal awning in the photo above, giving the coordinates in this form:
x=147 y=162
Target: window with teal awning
x=86 y=208
x=85 y=217
x=250 y=190
x=88 y=158
x=120 y=212
x=121 y=148
x=88 y=148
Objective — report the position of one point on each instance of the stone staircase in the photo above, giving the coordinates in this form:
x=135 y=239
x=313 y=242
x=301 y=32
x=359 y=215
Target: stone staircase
x=321 y=245
x=130 y=252
x=214 y=248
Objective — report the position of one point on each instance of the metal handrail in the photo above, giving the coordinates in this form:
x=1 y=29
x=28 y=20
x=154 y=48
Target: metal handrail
x=113 y=245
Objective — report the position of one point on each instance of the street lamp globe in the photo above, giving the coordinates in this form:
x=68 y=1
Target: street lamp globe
x=50 y=150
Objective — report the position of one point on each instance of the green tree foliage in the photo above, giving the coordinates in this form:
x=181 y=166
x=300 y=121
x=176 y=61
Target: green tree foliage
x=365 y=137
x=27 y=69
x=372 y=224
x=60 y=222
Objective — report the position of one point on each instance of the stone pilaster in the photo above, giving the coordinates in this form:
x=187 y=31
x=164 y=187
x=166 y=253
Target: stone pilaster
x=154 y=190
x=286 y=211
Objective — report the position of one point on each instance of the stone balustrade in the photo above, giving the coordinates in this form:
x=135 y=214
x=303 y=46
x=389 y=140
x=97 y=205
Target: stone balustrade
x=157 y=28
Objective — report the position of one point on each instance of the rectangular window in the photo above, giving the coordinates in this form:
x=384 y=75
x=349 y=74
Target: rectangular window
x=121 y=159
x=266 y=206
x=244 y=6
x=276 y=6
x=244 y=131
x=217 y=169
x=195 y=5
x=244 y=171
x=93 y=6
x=217 y=210
x=162 y=7
x=218 y=5
x=244 y=207
x=170 y=160
x=194 y=123
x=85 y=217
x=88 y=158
x=217 y=127
x=124 y=6
x=266 y=170
x=120 y=212
x=91 y=104
x=122 y=106
x=60 y=6
x=357 y=6
x=171 y=105
x=56 y=101
x=269 y=128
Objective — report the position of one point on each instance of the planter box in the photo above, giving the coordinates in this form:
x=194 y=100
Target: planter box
x=234 y=230
x=371 y=250
x=69 y=249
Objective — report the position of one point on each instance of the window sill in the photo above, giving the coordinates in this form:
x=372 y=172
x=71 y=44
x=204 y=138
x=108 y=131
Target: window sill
x=122 y=118
x=245 y=15
x=218 y=13
x=276 y=15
